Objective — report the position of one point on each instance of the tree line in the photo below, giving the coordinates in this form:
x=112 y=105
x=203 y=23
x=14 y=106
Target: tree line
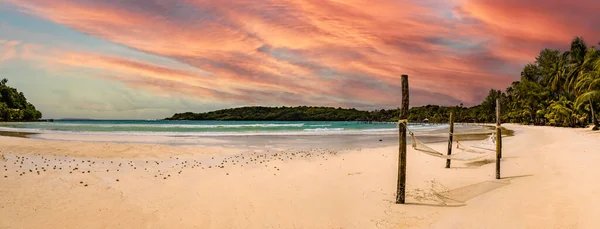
x=560 y=88
x=431 y=113
x=301 y=113
x=14 y=105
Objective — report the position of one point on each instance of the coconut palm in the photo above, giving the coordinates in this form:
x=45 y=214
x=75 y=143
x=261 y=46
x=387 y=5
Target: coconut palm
x=589 y=87
x=577 y=63
x=558 y=74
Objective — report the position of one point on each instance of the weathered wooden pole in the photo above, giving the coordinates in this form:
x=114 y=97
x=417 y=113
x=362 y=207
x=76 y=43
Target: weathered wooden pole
x=450 y=138
x=402 y=124
x=594 y=120
x=498 y=139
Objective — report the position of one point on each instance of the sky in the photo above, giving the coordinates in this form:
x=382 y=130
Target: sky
x=128 y=59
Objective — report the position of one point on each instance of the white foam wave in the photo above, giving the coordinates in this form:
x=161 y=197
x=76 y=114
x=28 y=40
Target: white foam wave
x=380 y=130
x=175 y=125
x=318 y=131
x=306 y=131
x=324 y=129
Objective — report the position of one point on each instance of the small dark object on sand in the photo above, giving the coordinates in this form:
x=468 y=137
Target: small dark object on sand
x=117 y=180
x=85 y=185
x=380 y=140
x=81 y=182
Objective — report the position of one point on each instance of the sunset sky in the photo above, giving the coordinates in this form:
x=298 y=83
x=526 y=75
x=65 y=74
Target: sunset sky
x=127 y=59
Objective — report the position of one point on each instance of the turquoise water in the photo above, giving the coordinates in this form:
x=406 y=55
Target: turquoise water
x=206 y=128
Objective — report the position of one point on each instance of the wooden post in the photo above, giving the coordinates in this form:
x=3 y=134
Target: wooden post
x=401 y=188
x=594 y=120
x=450 y=138
x=498 y=139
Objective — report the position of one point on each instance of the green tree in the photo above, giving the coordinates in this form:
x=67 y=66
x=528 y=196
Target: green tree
x=589 y=87
x=14 y=105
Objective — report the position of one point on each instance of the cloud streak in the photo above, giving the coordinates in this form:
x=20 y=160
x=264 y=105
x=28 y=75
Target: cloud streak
x=319 y=52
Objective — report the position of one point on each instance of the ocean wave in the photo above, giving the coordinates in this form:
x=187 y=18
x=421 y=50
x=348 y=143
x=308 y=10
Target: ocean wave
x=380 y=130
x=173 y=125
x=317 y=131
x=182 y=129
x=324 y=129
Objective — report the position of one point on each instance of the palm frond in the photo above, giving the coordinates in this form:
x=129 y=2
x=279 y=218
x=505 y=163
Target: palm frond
x=588 y=96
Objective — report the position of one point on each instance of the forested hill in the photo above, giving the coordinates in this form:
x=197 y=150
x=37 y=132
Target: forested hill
x=14 y=105
x=304 y=113
x=277 y=114
x=559 y=88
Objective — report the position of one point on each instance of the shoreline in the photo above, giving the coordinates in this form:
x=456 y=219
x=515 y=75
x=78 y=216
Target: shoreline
x=51 y=184
x=17 y=134
x=334 y=141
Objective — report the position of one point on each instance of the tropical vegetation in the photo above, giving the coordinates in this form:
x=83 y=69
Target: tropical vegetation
x=558 y=89
x=14 y=105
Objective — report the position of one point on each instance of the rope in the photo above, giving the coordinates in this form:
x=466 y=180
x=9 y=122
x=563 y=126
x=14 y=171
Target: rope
x=489 y=142
x=421 y=147
x=405 y=123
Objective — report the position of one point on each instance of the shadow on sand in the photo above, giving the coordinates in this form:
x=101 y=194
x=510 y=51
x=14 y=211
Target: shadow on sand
x=479 y=163
x=458 y=197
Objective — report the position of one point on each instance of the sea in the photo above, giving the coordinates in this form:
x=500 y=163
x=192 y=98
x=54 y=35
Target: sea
x=207 y=128
x=233 y=133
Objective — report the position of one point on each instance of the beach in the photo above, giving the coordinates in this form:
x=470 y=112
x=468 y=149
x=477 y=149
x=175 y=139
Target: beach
x=548 y=182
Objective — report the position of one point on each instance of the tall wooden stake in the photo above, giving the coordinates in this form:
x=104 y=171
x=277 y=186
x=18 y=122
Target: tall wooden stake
x=450 y=138
x=498 y=139
x=400 y=191
x=594 y=120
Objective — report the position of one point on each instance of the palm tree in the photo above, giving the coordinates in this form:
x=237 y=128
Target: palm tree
x=545 y=64
x=577 y=57
x=588 y=84
x=531 y=72
x=558 y=74
x=581 y=67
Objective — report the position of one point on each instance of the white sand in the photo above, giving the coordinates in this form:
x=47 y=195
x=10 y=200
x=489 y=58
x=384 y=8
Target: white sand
x=550 y=182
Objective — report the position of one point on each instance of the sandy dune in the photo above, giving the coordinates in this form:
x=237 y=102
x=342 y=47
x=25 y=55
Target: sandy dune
x=549 y=182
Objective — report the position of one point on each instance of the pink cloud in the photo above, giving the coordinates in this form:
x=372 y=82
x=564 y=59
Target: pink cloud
x=322 y=52
x=519 y=29
x=8 y=50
